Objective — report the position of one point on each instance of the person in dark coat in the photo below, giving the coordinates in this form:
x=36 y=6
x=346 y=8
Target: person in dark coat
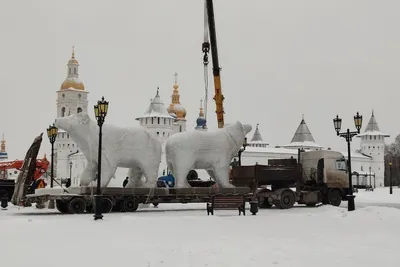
x=125 y=182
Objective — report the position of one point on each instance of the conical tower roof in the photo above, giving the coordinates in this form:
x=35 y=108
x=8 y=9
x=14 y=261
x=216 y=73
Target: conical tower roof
x=303 y=138
x=256 y=140
x=256 y=136
x=302 y=133
x=156 y=108
x=373 y=127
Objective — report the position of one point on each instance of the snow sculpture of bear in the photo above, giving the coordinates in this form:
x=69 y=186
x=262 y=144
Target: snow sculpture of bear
x=212 y=151
x=135 y=148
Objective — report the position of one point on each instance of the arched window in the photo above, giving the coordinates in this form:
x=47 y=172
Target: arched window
x=152 y=120
x=63 y=112
x=79 y=110
x=158 y=120
x=180 y=128
x=74 y=70
x=165 y=121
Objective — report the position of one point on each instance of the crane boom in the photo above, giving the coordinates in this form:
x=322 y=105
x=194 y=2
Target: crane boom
x=218 y=97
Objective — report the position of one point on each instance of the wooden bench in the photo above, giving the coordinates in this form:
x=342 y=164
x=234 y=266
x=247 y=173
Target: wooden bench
x=226 y=202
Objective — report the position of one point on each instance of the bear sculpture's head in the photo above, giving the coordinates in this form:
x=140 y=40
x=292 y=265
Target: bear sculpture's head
x=75 y=124
x=238 y=131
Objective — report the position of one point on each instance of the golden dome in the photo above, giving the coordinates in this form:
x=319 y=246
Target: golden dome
x=73 y=83
x=176 y=107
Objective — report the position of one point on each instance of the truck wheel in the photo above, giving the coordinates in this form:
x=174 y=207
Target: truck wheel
x=287 y=199
x=77 y=205
x=106 y=205
x=62 y=206
x=335 y=197
x=263 y=202
x=130 y=204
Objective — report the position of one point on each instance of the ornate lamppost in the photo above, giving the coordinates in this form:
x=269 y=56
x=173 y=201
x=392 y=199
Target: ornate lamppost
x=70 y=171
x=370 y=178
x=52 y=132
x=100 y=111
x=390 y=179
x=245 y=144
x=337 y=122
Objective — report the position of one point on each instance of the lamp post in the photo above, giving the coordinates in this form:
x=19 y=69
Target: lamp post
x=100 y=111
x=70 y=171
x=390 y=178
x=241 y=151
x=337 y=122
x=52 y=132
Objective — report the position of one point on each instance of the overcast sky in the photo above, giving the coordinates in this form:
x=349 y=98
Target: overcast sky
x=279 y=59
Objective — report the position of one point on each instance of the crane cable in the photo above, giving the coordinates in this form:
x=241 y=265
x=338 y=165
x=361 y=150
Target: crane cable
x=206 y=50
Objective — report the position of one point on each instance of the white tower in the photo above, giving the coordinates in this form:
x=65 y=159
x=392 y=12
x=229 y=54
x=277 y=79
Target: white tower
x=176 y=109
x=158 y=121
x=71 y=99
x=373 y=144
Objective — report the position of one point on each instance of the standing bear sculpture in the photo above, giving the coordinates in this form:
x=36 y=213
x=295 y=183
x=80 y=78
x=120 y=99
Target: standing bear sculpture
x=135 y=148
x=212 y=151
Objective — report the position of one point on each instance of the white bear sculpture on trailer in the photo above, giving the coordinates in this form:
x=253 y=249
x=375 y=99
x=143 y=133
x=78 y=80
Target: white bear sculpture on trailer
x=135 y=148
x=212 y=151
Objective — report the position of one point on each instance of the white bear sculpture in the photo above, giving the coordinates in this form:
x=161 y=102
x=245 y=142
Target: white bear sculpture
x=135 y=148
x=212 y=151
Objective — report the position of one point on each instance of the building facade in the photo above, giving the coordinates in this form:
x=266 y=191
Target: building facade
x=366 y=162
x=72 y=98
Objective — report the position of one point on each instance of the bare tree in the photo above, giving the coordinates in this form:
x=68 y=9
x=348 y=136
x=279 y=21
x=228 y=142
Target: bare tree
x=392 y=154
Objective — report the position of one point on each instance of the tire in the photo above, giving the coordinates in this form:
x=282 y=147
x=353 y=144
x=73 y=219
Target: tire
x=335 y=197
x=263 y=203
x=62 y=206
x=130 y=205
x=77 y=205
x=287 y=199
x=106 y=205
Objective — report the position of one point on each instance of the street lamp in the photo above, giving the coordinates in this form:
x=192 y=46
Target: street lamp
x=70 y=171
x=241 y=151
x=390 y=178
x=52 y=132
x=100 y=111
x=337 y=122
x=370 y=179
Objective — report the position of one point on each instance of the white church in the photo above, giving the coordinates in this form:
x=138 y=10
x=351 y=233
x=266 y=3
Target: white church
x=72 y=98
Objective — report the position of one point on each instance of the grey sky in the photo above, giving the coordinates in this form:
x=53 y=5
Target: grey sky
x=279 y=59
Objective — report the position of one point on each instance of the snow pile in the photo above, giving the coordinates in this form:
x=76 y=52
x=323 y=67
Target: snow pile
x=183 y=235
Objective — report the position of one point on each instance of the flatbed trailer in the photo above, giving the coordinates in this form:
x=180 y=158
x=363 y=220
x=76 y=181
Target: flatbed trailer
x=77 y=200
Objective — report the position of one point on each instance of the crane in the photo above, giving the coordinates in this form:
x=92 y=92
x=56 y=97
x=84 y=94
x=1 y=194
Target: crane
x=206 y=46
x=41 y=167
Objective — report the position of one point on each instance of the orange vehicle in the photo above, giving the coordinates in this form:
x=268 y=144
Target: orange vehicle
x=41 y=167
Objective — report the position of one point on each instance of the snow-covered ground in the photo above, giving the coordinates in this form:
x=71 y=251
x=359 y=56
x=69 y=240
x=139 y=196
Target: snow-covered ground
x=183 y=235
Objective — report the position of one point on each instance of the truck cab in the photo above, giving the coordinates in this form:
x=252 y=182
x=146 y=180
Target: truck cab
x=325 y=171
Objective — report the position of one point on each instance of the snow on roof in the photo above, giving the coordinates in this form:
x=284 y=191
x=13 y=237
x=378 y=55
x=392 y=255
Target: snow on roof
x=257 y=135
x=356 y=155
x=372 y=128
x=304 y=144
x=272 y=150
x=302 y=133
x=156 y=109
